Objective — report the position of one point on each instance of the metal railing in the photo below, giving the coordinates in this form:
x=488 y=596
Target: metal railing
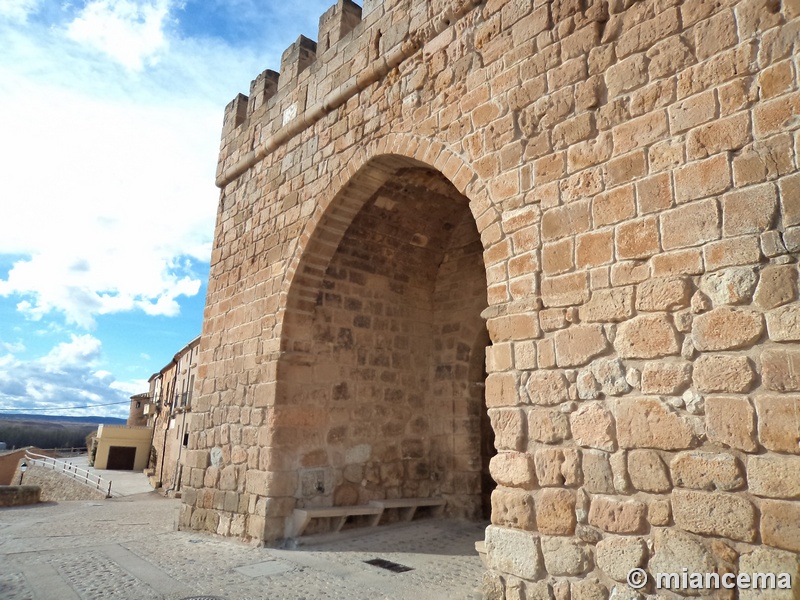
x=67 y=468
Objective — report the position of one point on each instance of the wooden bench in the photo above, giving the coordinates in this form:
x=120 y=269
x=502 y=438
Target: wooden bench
x=408 y=506
x=302 y=516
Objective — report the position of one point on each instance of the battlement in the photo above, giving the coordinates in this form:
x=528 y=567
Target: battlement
x=356 y=47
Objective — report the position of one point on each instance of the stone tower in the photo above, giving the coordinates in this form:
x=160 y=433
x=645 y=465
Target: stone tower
x=589 y=207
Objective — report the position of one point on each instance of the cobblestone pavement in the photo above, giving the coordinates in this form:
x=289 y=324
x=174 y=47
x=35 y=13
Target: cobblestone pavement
x=127 y=548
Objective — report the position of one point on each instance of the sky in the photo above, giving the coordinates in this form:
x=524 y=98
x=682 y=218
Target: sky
x=110 y=119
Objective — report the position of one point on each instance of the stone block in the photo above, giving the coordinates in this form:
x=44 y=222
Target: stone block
x=730 y=286
x=610 y=375
x=779 y=422
x=767 y=560
x=723 y=373
x=548 y=426
x=771 y=117
x=777 y=286
x=667 y=378
x=514 y=552
x=629 y=271
x=680 y=262
x=598 y=477
x=715 y=513
x=780 y=524
x=648 y=472
x=676 y=550
x=592 y=426
x=547 y=388
x=619 y=468
x=608 y=306
x=558 y=466
x=730 y=420
x=594 y=248
x=578 y=344
x=565 y=557
x=617 y=556
x=773 y=476
x=780 y=369
x=637 y=238
x=513 y=508
x=538 y=590
x=742 y=250
x=649 y=423
x=707 y=471
x=198 y=459
x=639 y=132
x=565 y=290
x=555 y=512
x=693 y=111
x=502 y=390
x=659 y=512
x=588 y=589
x=513 y=469
x=750 y=210
x=690 y=225
x=646 y=336
x=586 y=385
x=613 y=206
x=509 y=427
x=563 y=221
x=617 y=516
x=727 y=329
x=790 y=199
x=783 y=324
x=727 y=134
x=557 y=257
x=699 y=179
x=663 y=294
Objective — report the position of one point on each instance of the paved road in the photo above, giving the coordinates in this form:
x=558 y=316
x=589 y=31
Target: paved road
x=127 y=548
x=123 y=483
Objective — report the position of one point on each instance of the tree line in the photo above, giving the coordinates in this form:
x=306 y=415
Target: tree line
x=67 y=437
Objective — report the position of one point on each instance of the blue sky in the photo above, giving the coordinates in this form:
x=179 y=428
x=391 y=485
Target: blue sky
x=110 y=113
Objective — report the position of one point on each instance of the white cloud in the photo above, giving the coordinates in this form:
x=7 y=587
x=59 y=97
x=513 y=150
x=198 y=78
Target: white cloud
x=129 y=191
x=130 y=32
x=18 y=10
x=12 y=347
x=64 y=377
x=130 y=388
x=81 y=351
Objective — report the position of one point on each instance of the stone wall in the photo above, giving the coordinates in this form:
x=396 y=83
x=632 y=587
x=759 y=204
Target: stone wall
x=57 y=487
x=19 y=495
x=631 y=170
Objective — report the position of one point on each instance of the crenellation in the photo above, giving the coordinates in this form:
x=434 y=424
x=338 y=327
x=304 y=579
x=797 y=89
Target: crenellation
x=296 y=59
x=236 y=113
x=262 y=89
x=337 y=22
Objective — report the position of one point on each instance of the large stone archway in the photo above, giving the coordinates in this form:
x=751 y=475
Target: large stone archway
x=378 y=395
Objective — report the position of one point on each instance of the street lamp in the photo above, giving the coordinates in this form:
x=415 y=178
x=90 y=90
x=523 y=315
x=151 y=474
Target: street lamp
x=22 y=468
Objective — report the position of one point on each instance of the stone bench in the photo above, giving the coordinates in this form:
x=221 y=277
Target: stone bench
x=408 y=506
x=302 y=516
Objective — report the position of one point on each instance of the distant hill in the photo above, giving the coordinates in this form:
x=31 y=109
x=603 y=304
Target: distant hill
x=47 y=431
x=63 y=419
